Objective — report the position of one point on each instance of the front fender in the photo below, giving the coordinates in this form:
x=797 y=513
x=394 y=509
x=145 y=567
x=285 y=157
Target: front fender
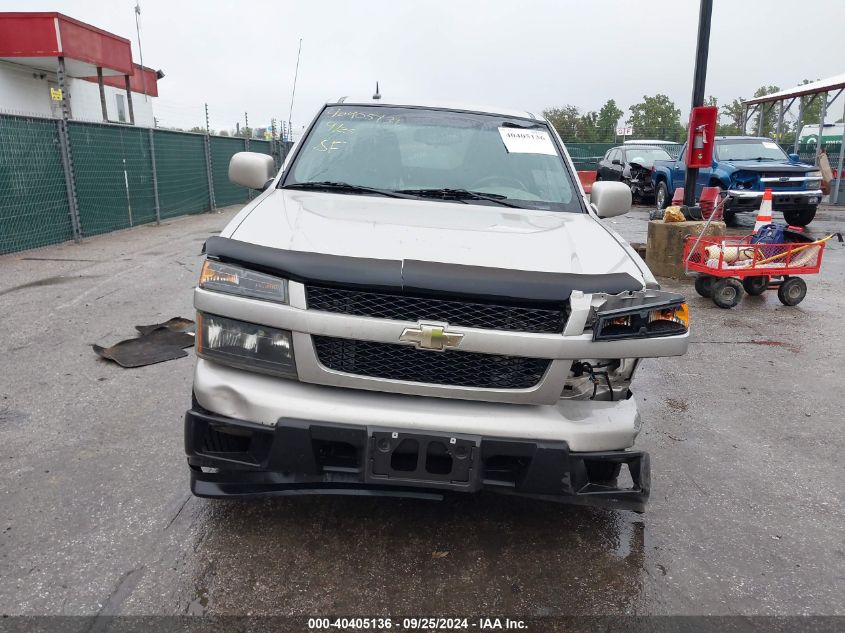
x=661 y=173
x=724 y=173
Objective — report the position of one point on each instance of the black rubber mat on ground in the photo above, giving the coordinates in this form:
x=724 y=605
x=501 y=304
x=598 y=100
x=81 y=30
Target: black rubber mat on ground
x=156 y=344
x=176 y=324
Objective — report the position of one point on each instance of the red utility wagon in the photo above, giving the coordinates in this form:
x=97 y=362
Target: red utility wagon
x=727 y=265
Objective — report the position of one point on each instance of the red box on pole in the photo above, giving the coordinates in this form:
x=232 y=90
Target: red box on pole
x=701 y=136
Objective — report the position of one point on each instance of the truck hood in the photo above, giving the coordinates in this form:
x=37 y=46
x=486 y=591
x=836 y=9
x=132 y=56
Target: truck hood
x=446 y=232
x=768 y=166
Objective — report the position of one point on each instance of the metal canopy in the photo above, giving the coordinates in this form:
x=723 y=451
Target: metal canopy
x=823 y=87
x=830 y=84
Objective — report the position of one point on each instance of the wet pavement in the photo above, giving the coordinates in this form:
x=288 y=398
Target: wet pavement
x=745 y=435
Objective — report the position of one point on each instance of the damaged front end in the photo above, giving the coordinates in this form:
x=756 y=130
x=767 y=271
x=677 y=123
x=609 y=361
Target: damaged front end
x=639 y=179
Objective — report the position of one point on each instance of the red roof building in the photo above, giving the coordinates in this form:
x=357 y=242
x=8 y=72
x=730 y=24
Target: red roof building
x=49 y=60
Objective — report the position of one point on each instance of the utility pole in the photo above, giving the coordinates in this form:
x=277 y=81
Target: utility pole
x=699 y=79
x=207 y=128
x=247 y=131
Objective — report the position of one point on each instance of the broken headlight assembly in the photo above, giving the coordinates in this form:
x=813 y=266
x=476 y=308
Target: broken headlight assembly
x=236 y=280
x=245 y=345
x=647 y=314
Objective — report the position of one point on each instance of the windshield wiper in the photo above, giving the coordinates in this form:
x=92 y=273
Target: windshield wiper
x=344 y=187
x=460 y=195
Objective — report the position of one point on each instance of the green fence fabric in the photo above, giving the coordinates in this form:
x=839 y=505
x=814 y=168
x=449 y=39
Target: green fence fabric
x=222 y=150
x=34 y=209
x=181 y=170
x=113 y=170
x=263 y=147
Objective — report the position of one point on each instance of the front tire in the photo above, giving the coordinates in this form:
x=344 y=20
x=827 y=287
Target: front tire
x=799 y=217
x=704 y=286
x=661 y=195
x=792 y=291
x=727 y=292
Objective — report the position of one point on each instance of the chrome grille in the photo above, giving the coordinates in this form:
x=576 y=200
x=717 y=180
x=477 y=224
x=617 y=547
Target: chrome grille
x=451 y=367
x=777 y=184
x=488 y=316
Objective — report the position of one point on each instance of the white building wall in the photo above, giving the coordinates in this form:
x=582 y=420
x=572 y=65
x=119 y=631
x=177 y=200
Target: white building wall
x=85 y=103
x=23 y=91
x=26 y=90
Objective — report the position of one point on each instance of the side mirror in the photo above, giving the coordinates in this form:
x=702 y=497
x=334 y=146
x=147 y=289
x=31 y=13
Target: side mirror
x=251 y=169
x=794 y=158
x=610 y=198
x=616 y=161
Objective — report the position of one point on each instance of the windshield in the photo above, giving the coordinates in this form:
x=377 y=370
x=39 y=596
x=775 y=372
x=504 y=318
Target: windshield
x=418 y=153
x=646 y=155
x=749 y=149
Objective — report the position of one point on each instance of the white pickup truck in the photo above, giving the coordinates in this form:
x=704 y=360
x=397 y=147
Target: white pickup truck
x=422 y=300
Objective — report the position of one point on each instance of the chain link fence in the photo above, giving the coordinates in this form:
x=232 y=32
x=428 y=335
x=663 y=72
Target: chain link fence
x=103 y=177
x=34 y=208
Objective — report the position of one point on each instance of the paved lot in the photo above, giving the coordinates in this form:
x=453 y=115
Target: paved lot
x=745 y=433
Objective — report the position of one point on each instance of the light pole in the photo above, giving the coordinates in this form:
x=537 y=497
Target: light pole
x=699 y=78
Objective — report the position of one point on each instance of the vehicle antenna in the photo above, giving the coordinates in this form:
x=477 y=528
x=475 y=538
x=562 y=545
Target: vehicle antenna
x=293 y=92
x=377 y=95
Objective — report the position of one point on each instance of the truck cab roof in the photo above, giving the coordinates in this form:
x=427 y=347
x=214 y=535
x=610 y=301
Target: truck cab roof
x=743 y=138
x=436 y=105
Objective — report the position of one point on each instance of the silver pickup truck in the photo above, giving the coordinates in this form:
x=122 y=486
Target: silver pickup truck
x=423 y=300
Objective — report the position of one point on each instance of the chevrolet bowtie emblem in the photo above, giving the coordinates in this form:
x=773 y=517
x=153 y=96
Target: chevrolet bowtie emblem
x=430 y=336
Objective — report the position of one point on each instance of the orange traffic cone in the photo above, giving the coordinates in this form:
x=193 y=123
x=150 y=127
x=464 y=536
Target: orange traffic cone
x=764 y=215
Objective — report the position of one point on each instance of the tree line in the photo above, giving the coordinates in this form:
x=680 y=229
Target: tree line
x=657 y=117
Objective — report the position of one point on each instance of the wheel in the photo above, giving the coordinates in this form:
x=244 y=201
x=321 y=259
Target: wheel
x=727 y=292
x=755 y=286
x=729 y=217
x=792 y=291
x=799 y=217
x=661 y=195
x=704 y=285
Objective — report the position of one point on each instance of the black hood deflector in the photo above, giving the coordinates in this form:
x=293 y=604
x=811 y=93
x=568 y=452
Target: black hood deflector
x=416 y=277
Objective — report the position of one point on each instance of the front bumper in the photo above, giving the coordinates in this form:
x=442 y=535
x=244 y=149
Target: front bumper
x=585 y=425
x=235 y=458
x=746 y=199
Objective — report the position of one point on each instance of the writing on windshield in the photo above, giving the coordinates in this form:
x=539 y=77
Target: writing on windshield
x=482 y=158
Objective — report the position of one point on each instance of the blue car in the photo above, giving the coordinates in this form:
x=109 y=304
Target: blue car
x=743 y=167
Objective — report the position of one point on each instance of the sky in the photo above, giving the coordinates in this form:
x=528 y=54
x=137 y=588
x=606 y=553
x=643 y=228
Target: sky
x=530 y=55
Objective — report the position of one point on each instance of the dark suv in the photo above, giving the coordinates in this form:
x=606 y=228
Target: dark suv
x=632 y=165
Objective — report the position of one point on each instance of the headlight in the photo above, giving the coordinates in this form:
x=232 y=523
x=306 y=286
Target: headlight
x=644 y=318
x=814 y=174
x=245 y=345
x=240 y=281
